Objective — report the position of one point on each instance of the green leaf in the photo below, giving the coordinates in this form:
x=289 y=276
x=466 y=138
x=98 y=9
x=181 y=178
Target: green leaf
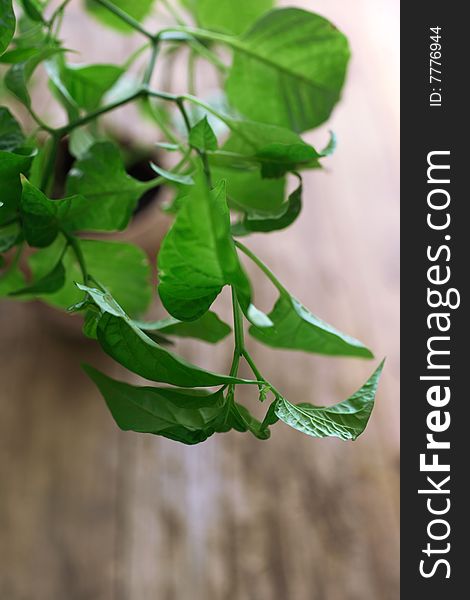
x=17 y=77
x=346 y=420
x=48 y=284
x=11 y=167
x=138 y=9
x=248 y=191
x=101 y=178
x=44 y=218
x=7 y=24
x=175 y=177
x=83 y=85
x=39 y=217
x=11 y=136
x=296 y=328
x=230 y=17
x=198 y=257
x=286 y=215
x=186 y=416
x=288 y=69
x=208 y=328
x=33 y=9
x=122 y=268
x=9 y=236
x=202 y=137
x=90 y=324
x=129 y=346
x=10 y=280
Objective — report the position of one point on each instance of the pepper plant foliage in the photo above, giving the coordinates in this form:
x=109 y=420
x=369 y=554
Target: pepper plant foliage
x=282 y=71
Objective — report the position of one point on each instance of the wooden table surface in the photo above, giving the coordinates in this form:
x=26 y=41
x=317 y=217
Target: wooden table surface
x=91 y=513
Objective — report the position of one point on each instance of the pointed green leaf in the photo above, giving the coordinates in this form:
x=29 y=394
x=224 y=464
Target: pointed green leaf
x=39 y=217
x=48 y=284
x=288 y=69
x=11 y=167
x=101 y=178
x=33 y=9
x=138 y=9
x=137 y=352
x=83 y=85
x=198 y=257
x=230 y=17
x=286 y=215
x=202 y=137
x=208 y=327
x=346 y=420
x=11 y=136
x=296 y=328
x=122 y=268
x=7 y=24
x=186 y=416
x=19 y=74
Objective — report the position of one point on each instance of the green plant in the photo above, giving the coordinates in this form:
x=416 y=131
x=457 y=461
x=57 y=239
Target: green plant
x=286 y=76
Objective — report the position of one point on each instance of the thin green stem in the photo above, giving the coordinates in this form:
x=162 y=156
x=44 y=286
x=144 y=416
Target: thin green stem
x=246 y=355
x=125 y=18
x=184 y=114
x=151 y=66
x=48 y=173
x=73 y=242
x=262 y=266
x=237 y=323
x=96 y=113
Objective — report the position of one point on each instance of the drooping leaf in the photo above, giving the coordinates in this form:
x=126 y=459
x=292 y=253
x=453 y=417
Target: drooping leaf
x=202 y=136
x=288 y=69
x=182 y=415
x=101 y=178
x=129 y=346
x=296 y=328
x=11 y=167
x=11 y=136
x=122 y=268
x=208 y=328
x=286 y=215
x=346 y=420
x=198 y=257
x=48 y=284
x=138 y=9
x=7 y=24
x=230 y=17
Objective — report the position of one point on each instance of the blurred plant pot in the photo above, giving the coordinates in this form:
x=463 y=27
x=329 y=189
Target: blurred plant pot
x=146 y=230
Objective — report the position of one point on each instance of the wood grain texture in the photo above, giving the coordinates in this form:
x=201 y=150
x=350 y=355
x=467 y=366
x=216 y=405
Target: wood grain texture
x=90 y=513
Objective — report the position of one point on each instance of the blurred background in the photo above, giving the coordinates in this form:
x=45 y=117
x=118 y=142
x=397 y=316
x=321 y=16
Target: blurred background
x=90 y=512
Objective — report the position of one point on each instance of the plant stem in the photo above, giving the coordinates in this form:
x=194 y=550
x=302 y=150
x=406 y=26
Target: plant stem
x=237 y=323
x=47 y=176
x=125 y=18
x=151 y=65
x=262 y=266
x=75 y=245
